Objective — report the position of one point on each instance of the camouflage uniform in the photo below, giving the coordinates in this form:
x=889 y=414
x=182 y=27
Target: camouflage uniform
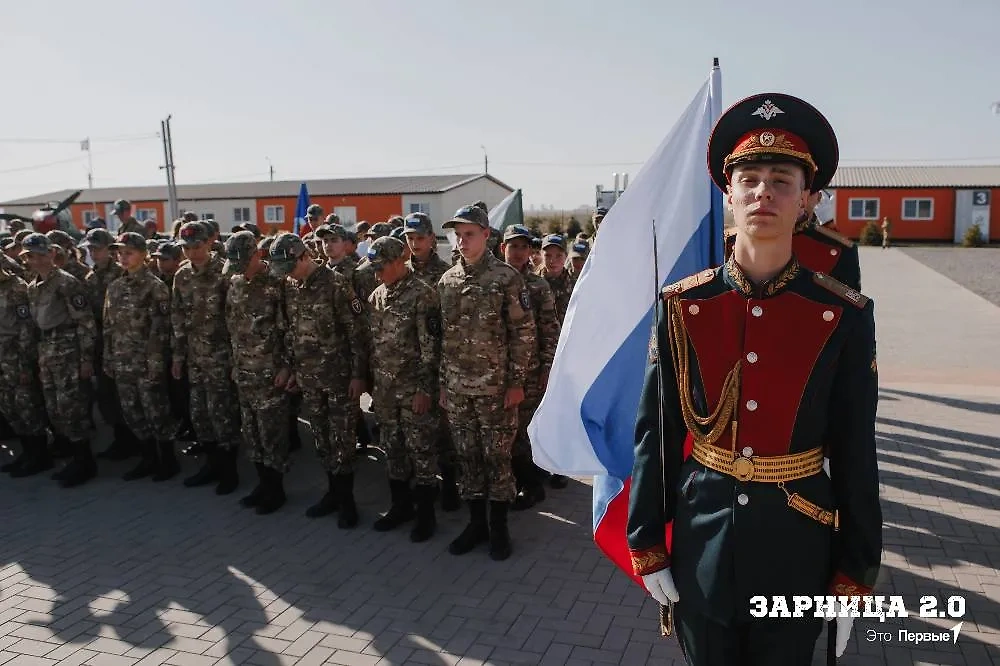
x=20 y=402
x=62 y=312
x=364 y=281
x=547 y=327
x=131 y=225
x=406 y=337
x=488 y=334
x=429 y=271
x=255 y=318
x=329 y=340
x=98 y=280
x=200 y=340
x=12 y=266
x=136 y=348
x=562 y=289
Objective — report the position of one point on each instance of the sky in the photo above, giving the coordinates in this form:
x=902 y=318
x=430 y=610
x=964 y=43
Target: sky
x=561 y=93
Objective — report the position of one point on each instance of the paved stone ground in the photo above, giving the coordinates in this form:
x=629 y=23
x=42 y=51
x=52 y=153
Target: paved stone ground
x=119 y=574
x=976 y=269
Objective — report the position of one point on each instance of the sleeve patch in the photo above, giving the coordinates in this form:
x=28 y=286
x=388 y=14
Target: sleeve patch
x=434 y=324
x=525 y=299
x=164 y=308
x=79 y=301
x=22 y=312
x=356 y=305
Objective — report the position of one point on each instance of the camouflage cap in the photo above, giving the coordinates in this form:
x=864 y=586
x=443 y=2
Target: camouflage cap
x=240 y=248
x=212 y=226
x=536 y=243
x=601 y=211
x=554 y=239
x=314 y=210
x=517 y=231
x=190 y=216
x=385 y=250
x=362 y=227
x=285 y=252
x=579 y=249
x=122 y=205
x=131 y=240
x=61 y=238
x=332 y=231
x=468 y=215
x=332 y=218
x=98 y=238
x=248 y=226
x=418 y=223
x=96 y=223
x=265 y=244
x=399 y=234
x=481 y=205
x=7 y=243
x=21 y=235
x=151 y=245
x=168 y=250
x=395 y=221
x=378 y=230
x=193 y=233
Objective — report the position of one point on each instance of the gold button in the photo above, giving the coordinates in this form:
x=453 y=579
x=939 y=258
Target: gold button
x=752 y=405
x=693 y=309
x=756 y=311
x=833 y=252
x=752 y=357
x=747 y=452
x=828 y=315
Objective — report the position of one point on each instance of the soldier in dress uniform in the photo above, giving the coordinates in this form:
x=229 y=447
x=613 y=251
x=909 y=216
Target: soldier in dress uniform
x=757 y=367
x=418 y=230
x=262 y=363
x=817 y=247
x=516 y=248
x=123 y=211
x=488 y=335
x=405 y=316
x=61 y=311
x=136 y=340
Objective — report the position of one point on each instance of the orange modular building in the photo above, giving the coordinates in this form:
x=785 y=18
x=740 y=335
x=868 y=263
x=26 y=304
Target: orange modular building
x=271 y=205
x=923 y=204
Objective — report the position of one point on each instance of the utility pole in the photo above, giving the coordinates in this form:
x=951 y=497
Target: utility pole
x=486 y=160
x=270 y=168
x=168 y=158
x=85 y=144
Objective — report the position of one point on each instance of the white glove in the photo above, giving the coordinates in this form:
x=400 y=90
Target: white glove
x=660 y=586
x=844 y=625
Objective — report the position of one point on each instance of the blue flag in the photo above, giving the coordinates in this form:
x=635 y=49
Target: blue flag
x=585 y=424
x=302 y=226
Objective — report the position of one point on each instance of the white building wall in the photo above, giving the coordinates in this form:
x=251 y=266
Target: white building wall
x=481 y=189
x=223 y=210
x=435 y=210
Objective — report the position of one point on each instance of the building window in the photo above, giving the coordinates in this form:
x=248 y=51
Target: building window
x=863 y=209
x=208 y=216
x=424 y=208
x=274 y=214
x=918 y=209
x=241 y=215
x=88 y=217
x=143 y=214
x=348 y=216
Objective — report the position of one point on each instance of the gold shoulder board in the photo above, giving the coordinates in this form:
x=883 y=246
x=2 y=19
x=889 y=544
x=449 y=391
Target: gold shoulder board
x=855 y=298
x=834 y=236
x=687 y=283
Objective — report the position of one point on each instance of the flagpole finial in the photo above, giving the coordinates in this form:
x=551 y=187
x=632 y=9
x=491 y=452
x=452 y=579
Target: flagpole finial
x=715 y=62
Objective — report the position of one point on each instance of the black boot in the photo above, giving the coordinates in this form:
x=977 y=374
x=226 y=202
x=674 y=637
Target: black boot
x=229 y=477
x=274 y=495
x=253 y=499
x=401 y=510
x=147 y=465
x=209 y=471
x=475 y=533
x=327 y=504
x=529 y=482
x=426 y=522
x=500 y=548
x=36 y=458
x=450 y=499
x=166 y=462
x=348 y=517
x=6 y=432
x=196 y=449
x=82 y=468
x=123 y=446
x=558 y=481
x=294 y=438
x=17 y=461
x=61 y=447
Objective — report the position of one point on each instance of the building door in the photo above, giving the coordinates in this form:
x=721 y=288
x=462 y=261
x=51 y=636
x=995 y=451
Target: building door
x=348 y=216
x=972 y=207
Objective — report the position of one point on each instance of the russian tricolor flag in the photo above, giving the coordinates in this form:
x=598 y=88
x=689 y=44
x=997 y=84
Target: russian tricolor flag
x=585 y=424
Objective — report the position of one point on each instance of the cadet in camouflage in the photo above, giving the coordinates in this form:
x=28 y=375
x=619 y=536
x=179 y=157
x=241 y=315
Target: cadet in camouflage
x=406 y=337
x=365 y=279
x=516 y=248
x=62 y=313
x=554 y=271
x=21 y=401
x=255 y=317
x=63 y=240
x=136 y=346
x=123 y=211
x=488 y=335
x=329 y=339
x=201 y=341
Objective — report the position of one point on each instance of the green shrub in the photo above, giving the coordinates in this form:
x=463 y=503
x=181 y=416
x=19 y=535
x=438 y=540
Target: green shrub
x=871 y=234
x=973 y=237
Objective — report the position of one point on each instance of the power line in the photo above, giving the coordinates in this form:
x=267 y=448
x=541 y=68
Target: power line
x=105 y=139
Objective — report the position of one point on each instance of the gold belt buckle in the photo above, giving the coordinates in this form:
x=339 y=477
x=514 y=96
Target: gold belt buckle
x=743 y=468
